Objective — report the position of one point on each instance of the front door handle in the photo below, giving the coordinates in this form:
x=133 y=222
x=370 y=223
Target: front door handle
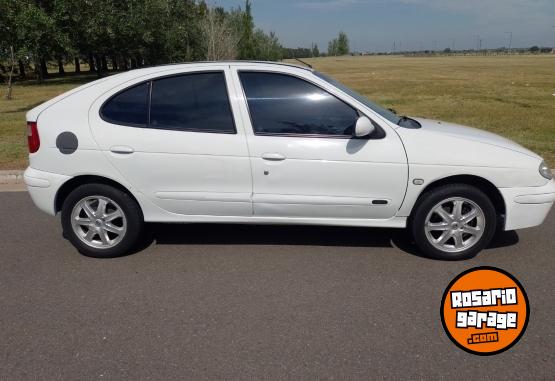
x=125 y=150
x=273 y=156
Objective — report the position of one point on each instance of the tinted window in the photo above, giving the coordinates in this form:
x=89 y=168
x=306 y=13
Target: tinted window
x=389 y=115
x=192 y=102
x=128 y=107
x=283 y=104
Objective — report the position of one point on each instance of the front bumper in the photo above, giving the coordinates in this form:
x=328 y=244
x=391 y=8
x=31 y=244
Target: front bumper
x=527 y=207
x=43 y=187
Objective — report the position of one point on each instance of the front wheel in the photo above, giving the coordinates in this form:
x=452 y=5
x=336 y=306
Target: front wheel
x=453 y=222
x=101 y=221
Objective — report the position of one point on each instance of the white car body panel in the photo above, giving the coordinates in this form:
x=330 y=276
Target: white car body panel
x=323 y=177
x=180 y=164
x=179 y=176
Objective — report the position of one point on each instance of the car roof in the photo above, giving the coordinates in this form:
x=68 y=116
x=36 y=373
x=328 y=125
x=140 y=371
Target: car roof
x=121 y=78
x=233 y=63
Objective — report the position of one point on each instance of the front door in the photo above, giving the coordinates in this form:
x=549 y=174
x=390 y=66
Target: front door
x=305 y=162
x=175 y=139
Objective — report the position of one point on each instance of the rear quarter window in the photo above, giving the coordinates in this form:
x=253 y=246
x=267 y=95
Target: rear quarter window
x=128 y=107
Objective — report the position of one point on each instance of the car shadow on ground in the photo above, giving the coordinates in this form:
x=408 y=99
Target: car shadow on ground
x=236 y=234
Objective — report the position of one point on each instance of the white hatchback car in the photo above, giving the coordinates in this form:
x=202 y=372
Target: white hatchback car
x=251 y=142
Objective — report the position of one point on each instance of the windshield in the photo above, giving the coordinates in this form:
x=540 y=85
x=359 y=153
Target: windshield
x=391 y=116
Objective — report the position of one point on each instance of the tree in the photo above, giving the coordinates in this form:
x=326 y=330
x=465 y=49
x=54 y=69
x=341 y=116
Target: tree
x=38 y=35
x=127 y=34
x=333 y=47
x=339 y=46
x=220 y=36
x=315 y=51
x=10 y=74
x=183 y=40
x=267 y=46
x=289 y=53
x=9 y=41
x=246 y=44
x=342 y=44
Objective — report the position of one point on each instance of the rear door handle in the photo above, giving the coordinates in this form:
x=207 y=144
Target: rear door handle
x=125 y=150
x=273 y=156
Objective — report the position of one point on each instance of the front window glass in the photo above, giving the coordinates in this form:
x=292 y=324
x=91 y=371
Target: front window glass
x=283 y=104
x=389 y=115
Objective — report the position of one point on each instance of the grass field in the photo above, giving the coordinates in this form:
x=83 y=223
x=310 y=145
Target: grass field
x=508 y=95
x=13 y=130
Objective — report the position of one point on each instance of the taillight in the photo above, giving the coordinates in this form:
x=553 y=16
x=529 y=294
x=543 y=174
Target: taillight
x=33 y=139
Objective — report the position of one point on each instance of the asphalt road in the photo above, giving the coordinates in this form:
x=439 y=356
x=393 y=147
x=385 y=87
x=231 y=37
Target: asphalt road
x=251 y=302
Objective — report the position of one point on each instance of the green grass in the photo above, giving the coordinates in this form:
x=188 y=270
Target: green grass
x=13 y=130
x=508 y=95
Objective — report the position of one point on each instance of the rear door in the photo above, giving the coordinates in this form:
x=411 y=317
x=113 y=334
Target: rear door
x=305 y=161
x=176 y=139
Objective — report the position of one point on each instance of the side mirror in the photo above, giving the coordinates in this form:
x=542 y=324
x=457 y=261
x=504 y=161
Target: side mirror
x=363 y=127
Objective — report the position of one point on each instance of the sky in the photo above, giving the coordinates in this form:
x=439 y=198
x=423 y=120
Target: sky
x=374 y=25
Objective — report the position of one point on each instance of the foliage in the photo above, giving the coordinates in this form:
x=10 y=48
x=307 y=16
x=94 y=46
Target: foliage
x=246 y=43
x=315 y=51
x=127 y=34
x=267 y=46
x=342 y=44
x=296 y=53
x=220 y=36
x=332 y=48
x=339 y=46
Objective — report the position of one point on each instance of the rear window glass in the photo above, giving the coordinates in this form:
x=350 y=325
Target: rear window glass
x=191 y=102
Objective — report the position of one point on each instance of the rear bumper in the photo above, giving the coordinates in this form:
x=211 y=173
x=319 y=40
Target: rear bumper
x=43 y=187
x=527 y=207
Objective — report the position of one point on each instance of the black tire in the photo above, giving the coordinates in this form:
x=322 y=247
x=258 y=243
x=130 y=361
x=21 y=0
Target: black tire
x=434 y=196
x=129 y=207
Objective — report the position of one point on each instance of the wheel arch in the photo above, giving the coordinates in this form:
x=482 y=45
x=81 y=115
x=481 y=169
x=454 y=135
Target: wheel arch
x=77 y=181
x=481 y=183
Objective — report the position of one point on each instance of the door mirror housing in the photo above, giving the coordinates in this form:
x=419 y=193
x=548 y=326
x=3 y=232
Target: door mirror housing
x=363 y=127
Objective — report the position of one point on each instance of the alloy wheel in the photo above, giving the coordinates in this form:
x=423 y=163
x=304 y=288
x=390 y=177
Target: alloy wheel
x=455 y=224
x=98 y=222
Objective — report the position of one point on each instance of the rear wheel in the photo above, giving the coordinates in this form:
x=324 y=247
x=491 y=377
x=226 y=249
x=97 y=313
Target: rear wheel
x=453 y=222
x=101 y=221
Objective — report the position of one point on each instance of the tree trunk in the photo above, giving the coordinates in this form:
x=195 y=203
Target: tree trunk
x=114 y=63
x=10 y=76
x=98 y=65
x=133 y=63
x=38 y=71
x=43 y=69
x=21 y=69
x=125 y=64
x=92 y=68
x=77 y=65
x=104 y=63
x=61 y=70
